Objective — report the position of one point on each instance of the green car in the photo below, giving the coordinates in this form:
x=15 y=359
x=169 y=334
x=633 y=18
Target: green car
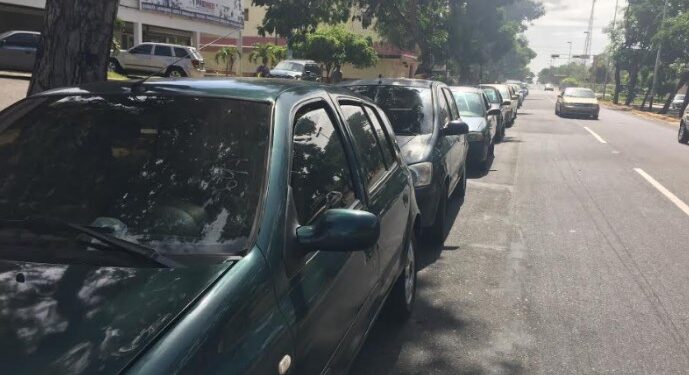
x=200 y=227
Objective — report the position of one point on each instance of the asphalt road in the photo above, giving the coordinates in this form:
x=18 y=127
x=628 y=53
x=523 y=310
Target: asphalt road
x=564 y=259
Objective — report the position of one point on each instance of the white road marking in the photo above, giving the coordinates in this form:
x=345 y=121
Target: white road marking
x=615 y=152
x=673 y=198
x=598 y=137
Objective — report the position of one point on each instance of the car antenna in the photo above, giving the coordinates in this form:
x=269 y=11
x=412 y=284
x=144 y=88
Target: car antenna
x=138 y=84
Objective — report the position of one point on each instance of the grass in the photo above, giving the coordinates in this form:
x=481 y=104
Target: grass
x=112 y=76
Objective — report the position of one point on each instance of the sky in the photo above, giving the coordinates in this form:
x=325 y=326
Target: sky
x=565 y=21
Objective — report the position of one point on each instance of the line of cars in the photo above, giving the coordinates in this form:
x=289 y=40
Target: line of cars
x=225 y=225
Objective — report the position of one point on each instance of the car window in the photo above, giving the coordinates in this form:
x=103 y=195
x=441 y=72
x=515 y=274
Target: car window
x=366 y=143
x=320 y=178
x=163 y=51
x=290 y=66
x=410 y=109
x=181 y=52
x=383 y=140
x=471 y=104
x=453 y=105
x=443 y=111
x=144 y=49
x=579 y=93
x=22 y=40
x=492 y=95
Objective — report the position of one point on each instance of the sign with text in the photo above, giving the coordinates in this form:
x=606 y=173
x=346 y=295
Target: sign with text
x=228 y=12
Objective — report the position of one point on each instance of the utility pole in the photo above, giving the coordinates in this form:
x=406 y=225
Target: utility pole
x=569 y=59
x=614 y=25
x=657 y=65
x=589 y=35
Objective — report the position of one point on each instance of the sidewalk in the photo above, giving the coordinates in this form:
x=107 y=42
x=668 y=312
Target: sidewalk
x=669 y=119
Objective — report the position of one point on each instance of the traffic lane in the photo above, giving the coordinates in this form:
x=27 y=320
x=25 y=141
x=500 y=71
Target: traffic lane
x=12 y=90
x=464 y=317
x=605 y=256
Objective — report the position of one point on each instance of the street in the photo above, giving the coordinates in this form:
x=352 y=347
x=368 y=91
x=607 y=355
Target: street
x=564 y=259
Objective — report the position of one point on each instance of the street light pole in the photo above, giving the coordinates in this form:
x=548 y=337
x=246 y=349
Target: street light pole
x=569 y=58
x=657 y=64
x=607 y=69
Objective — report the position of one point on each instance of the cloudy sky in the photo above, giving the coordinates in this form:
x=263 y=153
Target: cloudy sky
x=565 y=21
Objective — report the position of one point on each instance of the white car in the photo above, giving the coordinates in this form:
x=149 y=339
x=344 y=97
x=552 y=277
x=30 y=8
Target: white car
x=169 y=60
x=678 y=102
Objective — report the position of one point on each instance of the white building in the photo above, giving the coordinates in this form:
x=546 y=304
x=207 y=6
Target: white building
x=169 y=21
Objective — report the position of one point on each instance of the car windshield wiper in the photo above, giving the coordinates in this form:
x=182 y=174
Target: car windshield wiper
x=48 y=225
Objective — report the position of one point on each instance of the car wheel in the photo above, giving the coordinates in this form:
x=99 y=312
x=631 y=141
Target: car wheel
x=403 y=294
x=557 y=111
x=683 y=135
x=595 y=116
x=500 y=133
x=461 y=189
x=114 y=66
x=436 y=233
x=175 y=72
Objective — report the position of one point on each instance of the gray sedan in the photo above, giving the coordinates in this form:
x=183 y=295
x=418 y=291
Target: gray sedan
x=18 y=50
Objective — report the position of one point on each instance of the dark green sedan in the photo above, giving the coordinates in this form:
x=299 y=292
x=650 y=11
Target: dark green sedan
x=201 y=227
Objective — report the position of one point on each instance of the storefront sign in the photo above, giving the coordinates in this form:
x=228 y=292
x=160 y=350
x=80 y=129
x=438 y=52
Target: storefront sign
x=229 y=12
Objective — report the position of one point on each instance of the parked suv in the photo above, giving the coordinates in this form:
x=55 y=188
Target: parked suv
x=432 y=137
x=169 y=60
x=306 y=70
x=200 y=226
x=18 y=50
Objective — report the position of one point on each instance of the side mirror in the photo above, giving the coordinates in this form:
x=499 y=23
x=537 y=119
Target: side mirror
x=494 y=112
x=340 y=230
x=456 y=127
x=507 y=103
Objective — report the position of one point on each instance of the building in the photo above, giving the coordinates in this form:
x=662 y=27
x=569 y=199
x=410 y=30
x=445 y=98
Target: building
x=393 y=62
x=168 y=21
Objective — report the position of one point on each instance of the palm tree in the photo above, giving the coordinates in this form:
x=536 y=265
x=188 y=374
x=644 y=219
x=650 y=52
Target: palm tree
x=228 y=56
x=269 y=51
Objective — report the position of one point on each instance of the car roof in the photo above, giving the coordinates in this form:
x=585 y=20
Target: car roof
x=255 y=89
x=165 y=44
x=299 y=61
x=403 y=82
x=467 y=89
x=10 y=32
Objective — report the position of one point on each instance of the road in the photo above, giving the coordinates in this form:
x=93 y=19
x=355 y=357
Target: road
x=564 y=259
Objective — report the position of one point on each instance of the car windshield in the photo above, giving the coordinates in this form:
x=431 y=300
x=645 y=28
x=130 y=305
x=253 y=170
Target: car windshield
x=680 y=97
x=470 y=104
x=410 y=109
x=579 y=93
x=505 y=92
x=180 y=174
x=290 y=65
x=492 y=95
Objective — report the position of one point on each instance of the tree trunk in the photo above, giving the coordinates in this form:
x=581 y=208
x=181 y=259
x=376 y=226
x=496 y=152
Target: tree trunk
x=646 y=97
x=618 y=84
x=633 y=80
x=75 y=43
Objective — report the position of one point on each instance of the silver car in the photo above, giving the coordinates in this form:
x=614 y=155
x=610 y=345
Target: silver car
x=169 y=60
x=18 y=50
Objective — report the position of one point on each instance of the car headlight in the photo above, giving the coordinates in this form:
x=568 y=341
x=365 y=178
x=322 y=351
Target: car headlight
x=422 y=174
x=475 y=137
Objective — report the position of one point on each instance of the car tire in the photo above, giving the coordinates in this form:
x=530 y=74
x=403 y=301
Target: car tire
x=595 y=116
x=683 y=134
x=435 y=234
x=400 y=303
x=557 y=111
x=114 y=66
x=500 y=133
x=461 y=189
x=175 y=72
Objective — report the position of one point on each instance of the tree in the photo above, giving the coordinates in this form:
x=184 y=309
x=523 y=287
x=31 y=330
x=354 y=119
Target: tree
x=75 y=43
x=228 y=56
x=268 y=51
x=293 y=19
x=334 y=46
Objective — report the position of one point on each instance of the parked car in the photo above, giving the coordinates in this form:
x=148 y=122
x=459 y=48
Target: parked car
x=683 y=135
x=549 y=87
x=678 y=102
x=482 y=118
x=18 y=50
x=517 y=90
x=169 y=60
x=432 y=137
x=525 y=89
x=509 y=99
x=200 y=226
x=496 y=102
x=306 y=70
x=577 y=101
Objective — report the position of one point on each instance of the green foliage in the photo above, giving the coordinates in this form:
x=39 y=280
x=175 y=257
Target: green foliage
x=296 y=18
x=271 y=52
x=334 y=46
x=570 y=82
x=227 y=56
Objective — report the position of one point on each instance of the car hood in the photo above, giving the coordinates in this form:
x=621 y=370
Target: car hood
x=79 y=319
x=415 y=148
x=580 y=100
x=287 y=73
x=476 y=124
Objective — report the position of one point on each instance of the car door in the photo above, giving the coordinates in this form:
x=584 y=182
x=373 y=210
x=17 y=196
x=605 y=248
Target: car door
x=162 y=57
x=18 y=51
x=456 y=152
x=328 y=291
x=138 y=58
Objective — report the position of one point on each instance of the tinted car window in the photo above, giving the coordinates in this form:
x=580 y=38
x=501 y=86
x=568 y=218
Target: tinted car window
x=321 y=177
x=410 y=109
x=386 y=147
x=162 y=51
x=143 y=49
x=368 y=148
x=22 y=40
x=470 y=104
x=182 y=174
x=579 y=93
x=181 y=52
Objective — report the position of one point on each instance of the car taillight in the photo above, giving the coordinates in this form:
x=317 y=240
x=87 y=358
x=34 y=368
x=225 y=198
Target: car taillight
x=195 y=63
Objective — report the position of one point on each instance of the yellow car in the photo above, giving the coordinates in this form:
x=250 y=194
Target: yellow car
x=577 y=101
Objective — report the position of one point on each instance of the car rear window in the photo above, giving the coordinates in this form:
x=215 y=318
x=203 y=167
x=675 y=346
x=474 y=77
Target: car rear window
x=182 y=173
